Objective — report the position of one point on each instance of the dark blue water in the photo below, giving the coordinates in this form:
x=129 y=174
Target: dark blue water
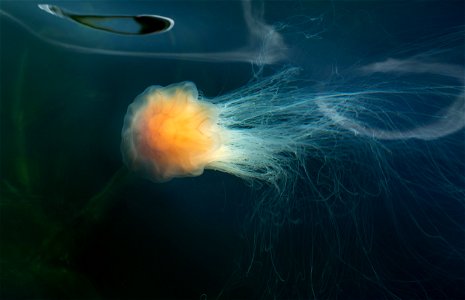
x=381 y=221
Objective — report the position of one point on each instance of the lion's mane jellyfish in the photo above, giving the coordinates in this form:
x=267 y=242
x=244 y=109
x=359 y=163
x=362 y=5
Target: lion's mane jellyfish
x=266 y=130
x=169 y=132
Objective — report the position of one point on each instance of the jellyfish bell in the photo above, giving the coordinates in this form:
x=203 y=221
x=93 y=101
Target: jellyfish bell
x=168 y=132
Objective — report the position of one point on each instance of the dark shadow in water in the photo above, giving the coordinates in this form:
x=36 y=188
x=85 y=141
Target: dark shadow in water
x=130 y=25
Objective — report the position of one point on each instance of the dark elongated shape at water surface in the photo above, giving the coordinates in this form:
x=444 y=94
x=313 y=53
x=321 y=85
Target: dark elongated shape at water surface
x=130 y=25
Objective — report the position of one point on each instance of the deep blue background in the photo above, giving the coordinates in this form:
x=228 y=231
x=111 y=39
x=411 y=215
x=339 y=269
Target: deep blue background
x=61 y=118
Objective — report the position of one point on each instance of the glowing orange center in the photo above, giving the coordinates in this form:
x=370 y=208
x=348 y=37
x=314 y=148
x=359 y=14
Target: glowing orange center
x=178 y=133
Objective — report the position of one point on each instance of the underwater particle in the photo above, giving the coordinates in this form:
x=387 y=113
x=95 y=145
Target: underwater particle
x=129 y=25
